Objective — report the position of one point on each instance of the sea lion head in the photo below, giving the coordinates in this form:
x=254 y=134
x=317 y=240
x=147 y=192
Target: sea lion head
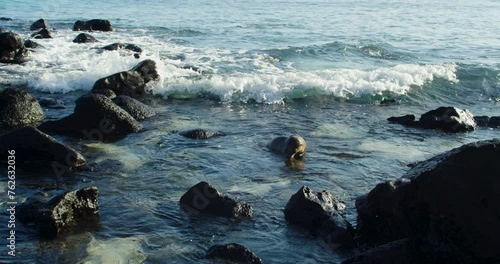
x=295 y=147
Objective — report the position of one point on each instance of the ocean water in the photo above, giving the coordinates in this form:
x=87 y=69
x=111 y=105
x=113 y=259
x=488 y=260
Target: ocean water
x=265 y=69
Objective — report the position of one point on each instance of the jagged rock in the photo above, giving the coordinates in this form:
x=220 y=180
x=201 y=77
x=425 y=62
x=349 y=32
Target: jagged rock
x=127 y=46
x=18 y=108
x=42 y=34
x=452 y=198
x=65 y=212
x=93 y=25
x=131 y=83
x=51 y=103
x=12 y=49
x=201 y=133
x=36 y=149
x=448 y=119
x=135 y=108
x=40 y=24
x=206 y=200
x=32 y=44
x=318 y=212
x=233 y=252
x=95 y=117
x=85 y=38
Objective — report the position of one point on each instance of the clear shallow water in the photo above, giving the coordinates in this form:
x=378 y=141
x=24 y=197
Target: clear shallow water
x=268 y=69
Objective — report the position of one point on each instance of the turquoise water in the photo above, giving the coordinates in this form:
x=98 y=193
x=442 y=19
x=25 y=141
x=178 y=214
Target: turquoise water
x=268 y=68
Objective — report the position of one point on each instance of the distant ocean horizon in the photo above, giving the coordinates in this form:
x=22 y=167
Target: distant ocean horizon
x=254 y=70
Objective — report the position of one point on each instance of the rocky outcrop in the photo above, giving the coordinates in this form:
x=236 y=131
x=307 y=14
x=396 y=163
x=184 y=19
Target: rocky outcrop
x=93 y=25
x=201 y=133
x=448 y=119
x=486 y=121
x=85 y=38
x=95 y=117
x=233 y=252
x=37 y=150
x=12 y=49
x=447 y=203
x=318 y=212
x=203 y=199
x=42 y=34
x=131 y=83
x=127 y=46
x=70 y=211
x=135 y=108
x=40 y=24
x=18 y=108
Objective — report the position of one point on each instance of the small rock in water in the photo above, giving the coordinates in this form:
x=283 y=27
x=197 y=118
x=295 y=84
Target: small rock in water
x=42 y=34
x=206 y=200
x=51 y=103
x=127 y=46
x=19 y=108
x=201 y=133
x=12 y=48
x=40 y=24
x=85 y=38
x=32 y=44
x=233 y=252
x=93 y=25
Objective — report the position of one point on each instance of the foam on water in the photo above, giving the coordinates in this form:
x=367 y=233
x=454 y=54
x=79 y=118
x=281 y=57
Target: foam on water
x=118 y=250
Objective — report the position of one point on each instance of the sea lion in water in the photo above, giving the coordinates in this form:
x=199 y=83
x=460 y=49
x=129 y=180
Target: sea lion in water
x=292 y=147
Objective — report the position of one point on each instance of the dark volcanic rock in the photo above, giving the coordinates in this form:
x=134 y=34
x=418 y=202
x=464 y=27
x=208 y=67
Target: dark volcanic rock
x=206 y=200
x=36 y=149
x=5 y=19
x=201 y=133
x=452 y=198
x=51 y=103
x=85 y=38
x=42 y=34
x=65 y=212
x=127 y=46
x=135 y=108
x=12 y=49
x=40 y=24
x=18 y=108
x=32 y=44
x=494 y=122
x=318 y=213
x=233 y=252
x=93 y=25
x=482 y=121
x=131 y=83
x=448 y=119
x=95 y=117
x=108 y=93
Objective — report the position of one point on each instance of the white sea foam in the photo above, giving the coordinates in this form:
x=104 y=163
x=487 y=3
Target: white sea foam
x=118 y=250
x=240 y=75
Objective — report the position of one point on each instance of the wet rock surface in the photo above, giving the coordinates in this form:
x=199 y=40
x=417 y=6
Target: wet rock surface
x=19 y=108
x=51 y=103
x=37 y=150
x=201 y=133
x=204 y=199
x=93 y=25
x=12 y=48
x=67 y=212
x=40 y=24
x=131 y=83
x=135 y=108
x=95 y=117
x=233 y=252
x=42 y=34
x=448 y=202
x=84 y=38
x=448 y=119
x=127 y=46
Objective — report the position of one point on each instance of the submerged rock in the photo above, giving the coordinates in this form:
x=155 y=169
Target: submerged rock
x=127 y=46
x=52 y=103
x=206 y=200
x=40 y=24
x=18 y=108
x=450 y=200
x=93 y=25
x=12 y=49
x=292 y=147
x=448 y=119
x=95 y=117
x=5 y=19
x=65 y=212
x=131 y=83
x=233 y=252
x=85 y=38
x=318 y=212
x=42 y=34
x=35 y=149
x=201 y=133
x=135 y=108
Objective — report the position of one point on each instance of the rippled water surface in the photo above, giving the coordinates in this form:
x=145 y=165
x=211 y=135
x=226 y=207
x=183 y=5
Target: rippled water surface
x=266 y=69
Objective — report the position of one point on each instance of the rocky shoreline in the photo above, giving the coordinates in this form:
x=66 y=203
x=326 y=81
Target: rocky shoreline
x=443 y=210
